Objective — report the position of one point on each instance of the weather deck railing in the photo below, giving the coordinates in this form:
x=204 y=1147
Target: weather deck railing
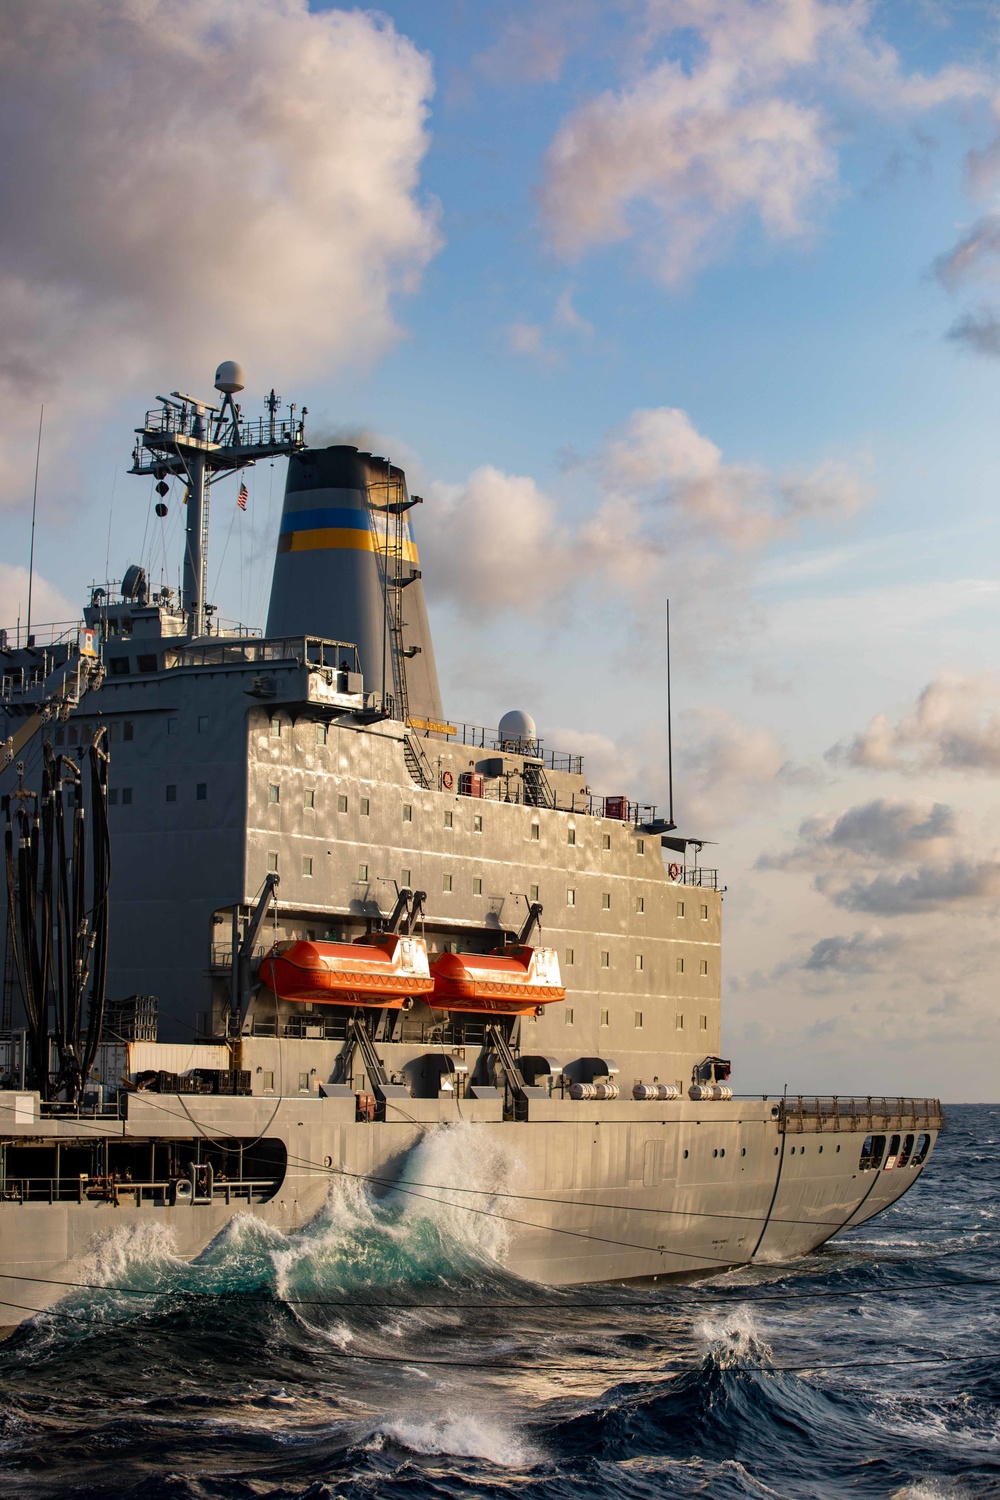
x=84 y=1189
x=816 y=1113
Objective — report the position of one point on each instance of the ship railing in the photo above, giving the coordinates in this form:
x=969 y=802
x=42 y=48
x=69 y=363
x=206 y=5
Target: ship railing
x=222 y=955
x=801 y=1113
x=479 y=738
x=55 y=633
x=64 y=1109
x=84 y=1189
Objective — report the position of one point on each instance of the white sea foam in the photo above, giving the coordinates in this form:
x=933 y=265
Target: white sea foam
x=734 y=1338
x=459 y=1435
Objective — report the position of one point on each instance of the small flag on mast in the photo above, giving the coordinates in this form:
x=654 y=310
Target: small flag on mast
x=243 y=497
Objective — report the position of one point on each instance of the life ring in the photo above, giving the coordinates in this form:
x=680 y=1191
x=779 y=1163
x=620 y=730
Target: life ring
x=674 y=871
x=447 y=780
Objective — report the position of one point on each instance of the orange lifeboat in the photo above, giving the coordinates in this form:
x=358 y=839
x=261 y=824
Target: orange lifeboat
x=383 y=969
x=511 y=983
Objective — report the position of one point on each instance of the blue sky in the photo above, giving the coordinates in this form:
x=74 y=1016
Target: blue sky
x=654 y=297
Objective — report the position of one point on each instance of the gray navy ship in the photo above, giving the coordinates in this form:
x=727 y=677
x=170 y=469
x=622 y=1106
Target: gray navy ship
x=274 y=921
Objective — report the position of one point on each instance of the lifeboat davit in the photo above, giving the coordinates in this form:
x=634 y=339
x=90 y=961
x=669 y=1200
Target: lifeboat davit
x=510 y=983
x=382 y=969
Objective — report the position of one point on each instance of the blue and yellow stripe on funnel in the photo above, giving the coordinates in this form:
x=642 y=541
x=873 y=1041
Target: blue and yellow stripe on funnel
x=336 y=526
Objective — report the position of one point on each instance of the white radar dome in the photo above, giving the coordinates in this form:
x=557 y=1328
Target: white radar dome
x=516 y=725
x=229 y=377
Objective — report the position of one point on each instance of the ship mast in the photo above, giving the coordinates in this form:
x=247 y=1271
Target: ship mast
x=199 y=443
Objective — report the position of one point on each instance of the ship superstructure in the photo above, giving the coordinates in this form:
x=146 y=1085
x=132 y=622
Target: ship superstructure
x=363 y=917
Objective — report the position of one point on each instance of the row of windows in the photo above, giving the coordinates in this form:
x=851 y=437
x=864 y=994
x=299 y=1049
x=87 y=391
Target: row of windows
x=568 y=1016
x=122 y=796
x=81 y=732
x=448 y=817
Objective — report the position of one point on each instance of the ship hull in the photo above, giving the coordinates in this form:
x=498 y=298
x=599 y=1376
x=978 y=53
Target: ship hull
x=579 y=1192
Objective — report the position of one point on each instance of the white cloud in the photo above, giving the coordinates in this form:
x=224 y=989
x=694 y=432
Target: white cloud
x=671 y=516
x=47 y=602
x=494 y=543
x=884 y=829
x=954 y=726
x=694 y=145
x=726 y=770
x=863 y=952
x=187 y=181
x=931 y=888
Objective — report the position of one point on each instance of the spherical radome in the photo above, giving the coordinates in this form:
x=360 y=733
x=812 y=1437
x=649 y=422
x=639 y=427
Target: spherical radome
x=517 y=725
x=229 y=377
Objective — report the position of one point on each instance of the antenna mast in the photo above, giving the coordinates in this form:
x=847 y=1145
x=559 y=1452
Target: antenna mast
x=199 y=443
x=670 y=733
x=34 y=507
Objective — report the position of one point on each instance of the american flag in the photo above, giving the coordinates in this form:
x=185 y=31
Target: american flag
x=243 y=497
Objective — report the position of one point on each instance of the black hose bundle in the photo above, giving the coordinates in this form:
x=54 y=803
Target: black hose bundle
x=60 y=944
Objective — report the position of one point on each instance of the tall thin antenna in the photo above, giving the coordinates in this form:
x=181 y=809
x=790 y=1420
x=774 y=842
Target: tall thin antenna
x=670 y=733
x=111 y=512
x=34 y=507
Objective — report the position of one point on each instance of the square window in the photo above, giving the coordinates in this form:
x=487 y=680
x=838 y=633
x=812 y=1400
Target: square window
x=322 y=733
x=533 y=893
x=446 y=882
x=535 y=832
x=570 y=956
x=113 y=797
x=569 y=1016
x=407 y=812
x=126 y=796
x=605 y=1018
x=702 y=1023
x=307 y=864
x=171 y=726
x=366 y=807
x=171 y=793
x=128 y=730
x=571 y=836
x=680 y=966
x=477 y=886
x=201 y=791
x=116 y=732
x=638 y=960
x=678 y=1023
x=362 y=872
x=341 y=804
x=703 y=966
x=606 y=841
x=405 y=878
x=638 y=1020
x=267 y=1082
x=272 y=864
x=276 y=729
x=571 y=898
x=477 y=823
x=309 y=798
x=605 y=959
x=274 y=792
x=605 y=900
x=640 y=904
x=303 y=1083
x=704 y=914
x=680 y=908
x=61 y=735
x=449 y=820
x=640 y=846
x=203 y=723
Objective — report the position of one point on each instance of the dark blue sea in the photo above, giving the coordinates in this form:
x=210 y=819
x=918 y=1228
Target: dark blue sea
x=383 y=1352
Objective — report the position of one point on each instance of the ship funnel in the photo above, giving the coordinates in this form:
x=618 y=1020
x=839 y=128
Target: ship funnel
x=346 y=569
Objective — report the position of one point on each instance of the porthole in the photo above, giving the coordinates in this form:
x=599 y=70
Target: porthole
x=821 y=1150
x=685 y=1156
x=744 y=1151
x=793 y=1151
x=775 y=1150
x=715 y=1153
x=838 y=1148
x=723 y=1151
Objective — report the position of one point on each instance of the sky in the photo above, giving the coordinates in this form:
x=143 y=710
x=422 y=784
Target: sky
x=654 y=299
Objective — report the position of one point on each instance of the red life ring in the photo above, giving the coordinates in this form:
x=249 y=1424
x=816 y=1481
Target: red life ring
x=447 y=780
x=673 y=871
